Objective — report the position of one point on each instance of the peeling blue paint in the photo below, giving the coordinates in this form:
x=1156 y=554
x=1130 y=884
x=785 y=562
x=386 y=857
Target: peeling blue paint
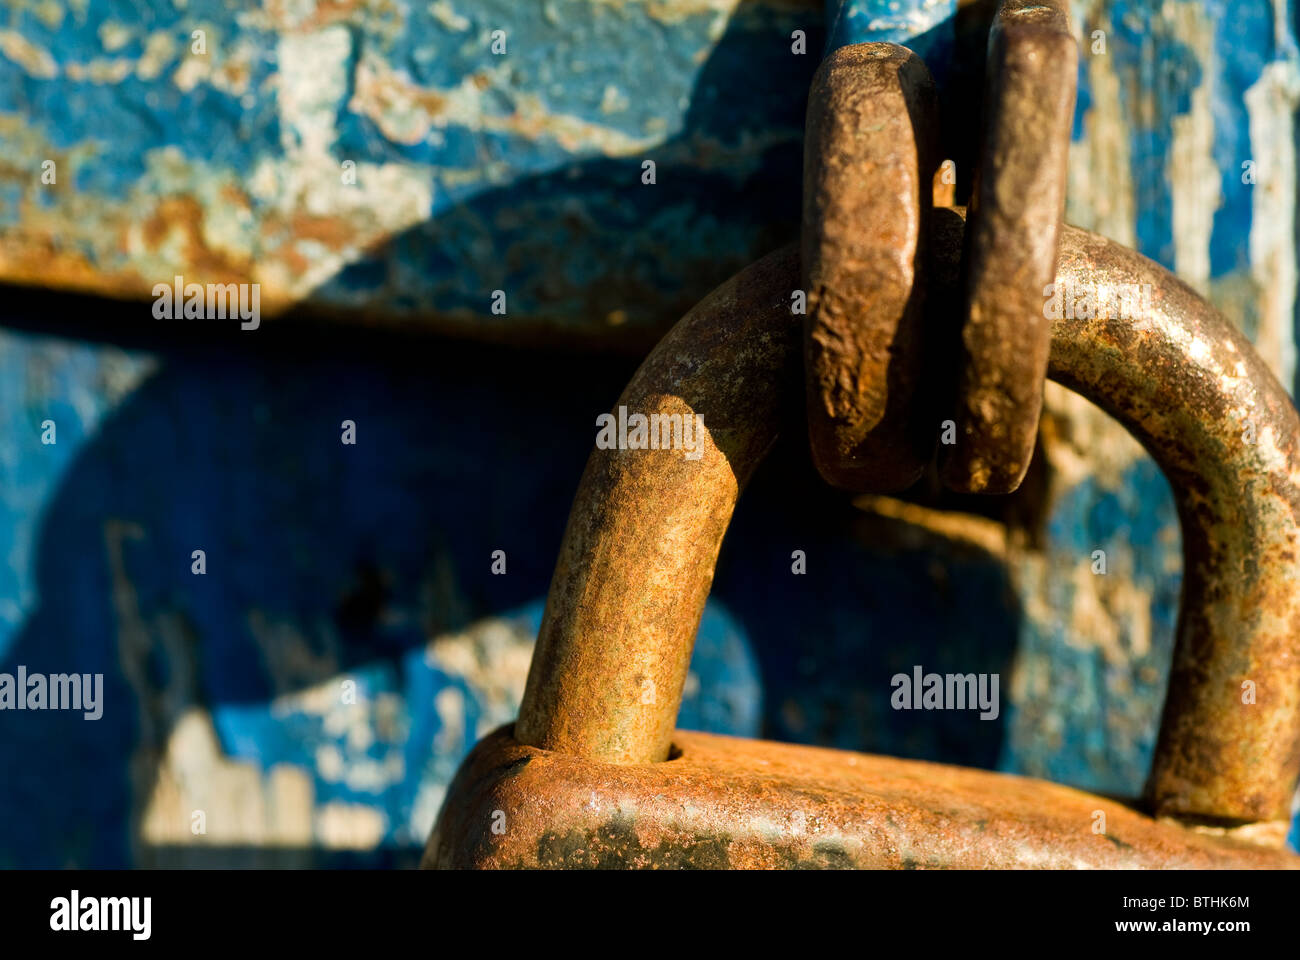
x=122 y=118
x=354 y=557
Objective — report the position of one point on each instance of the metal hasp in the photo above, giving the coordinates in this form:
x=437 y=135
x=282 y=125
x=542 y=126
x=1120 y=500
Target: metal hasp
x=593 y=774
x=869 y=155
x=1015 y=219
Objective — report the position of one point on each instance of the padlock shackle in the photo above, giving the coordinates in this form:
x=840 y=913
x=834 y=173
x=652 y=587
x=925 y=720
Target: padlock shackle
x=638 y=555
x=1190 y=387
x=637 y=559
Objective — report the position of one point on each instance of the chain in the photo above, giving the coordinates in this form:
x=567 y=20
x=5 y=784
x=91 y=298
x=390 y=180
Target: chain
x=897 y=291
x=869 y=169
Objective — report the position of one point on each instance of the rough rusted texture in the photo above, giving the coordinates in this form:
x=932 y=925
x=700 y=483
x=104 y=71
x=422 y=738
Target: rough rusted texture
x=869 y=156
x=1015 y=217
x=637 y=559
x=638 y=555
x=1190 y=387
x=729 y=803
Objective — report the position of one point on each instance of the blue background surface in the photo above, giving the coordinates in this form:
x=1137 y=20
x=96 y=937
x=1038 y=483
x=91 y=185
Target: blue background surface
x=371 y=563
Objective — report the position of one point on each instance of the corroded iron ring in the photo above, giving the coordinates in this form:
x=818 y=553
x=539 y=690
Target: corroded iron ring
x=1011 y=245
x=642 y=539
x=868 y=155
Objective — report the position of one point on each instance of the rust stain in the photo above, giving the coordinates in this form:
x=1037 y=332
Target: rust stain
x=869 y=153
x=334 y=232
x=37 y=259
x=637 y=562
x=185 y=215
x=635 y=568
x=1013 y=228
x=725 y=803
x=306 y=18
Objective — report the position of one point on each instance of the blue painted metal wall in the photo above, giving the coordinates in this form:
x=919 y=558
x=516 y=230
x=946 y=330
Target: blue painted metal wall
x=227 y=692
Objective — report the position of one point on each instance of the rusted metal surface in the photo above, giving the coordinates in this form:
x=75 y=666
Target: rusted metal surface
x=749 y=804
x=1015 y=217
x=638 y=556
x=869 y=156
x=635 y=567
x=1155 y=165
x=1190 y=387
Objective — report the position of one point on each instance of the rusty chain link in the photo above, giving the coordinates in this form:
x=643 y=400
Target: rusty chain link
x=869 y=153
x=868 y=168
x=1011 y=245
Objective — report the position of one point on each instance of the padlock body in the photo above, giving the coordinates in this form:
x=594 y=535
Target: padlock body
x=728 y=803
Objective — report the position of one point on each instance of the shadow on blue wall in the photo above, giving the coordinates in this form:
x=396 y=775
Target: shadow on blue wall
x=355 y=555
x=324 y=558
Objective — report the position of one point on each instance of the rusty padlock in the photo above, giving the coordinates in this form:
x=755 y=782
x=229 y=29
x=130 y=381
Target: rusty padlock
x=593 y=774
